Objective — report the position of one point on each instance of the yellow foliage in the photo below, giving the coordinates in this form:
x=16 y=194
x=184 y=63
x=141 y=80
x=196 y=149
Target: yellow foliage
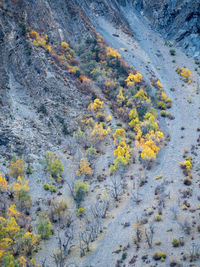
x=16 y=168
x=109 y=118
x=133 y=114
x=185 y=73
x=118 y=133
x=98 y=132
x=84 y=167
x=123 y=156
x=134 y=122
x=159 y=84
x=3 y=184
x=21 y=184
x=13 y=212
x=148 y=154
x=90 y=122
x=22 y=262
x=120 y=97
x=64 y=45
x=97 y=105
x=134 y=78
x=150 y=144
x=111 y=52
x=123 y=151
x=186 y=165
x=141 y=94
x=40 y=41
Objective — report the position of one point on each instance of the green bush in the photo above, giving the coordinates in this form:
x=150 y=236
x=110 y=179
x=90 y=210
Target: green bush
x=163 y=113
x=46 y=186
x=124 y=256
x=175 y=242
x=81 y=211
x=172 y=52
x=159 y=255
x=80 y=189
x=53 y=165
x=161 y=105
x=44 y=226
x=52 y=188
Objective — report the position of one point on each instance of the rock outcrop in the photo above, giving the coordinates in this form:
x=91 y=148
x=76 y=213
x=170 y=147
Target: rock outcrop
x=178 y=20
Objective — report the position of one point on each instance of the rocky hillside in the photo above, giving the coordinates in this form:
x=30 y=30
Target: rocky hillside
x=177 y=20
x=99 y=133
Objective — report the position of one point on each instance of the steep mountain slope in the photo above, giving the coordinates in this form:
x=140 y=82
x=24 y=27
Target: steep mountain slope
x=96 y=84
x=176 y=20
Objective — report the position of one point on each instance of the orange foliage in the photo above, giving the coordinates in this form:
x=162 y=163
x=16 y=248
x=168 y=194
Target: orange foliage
x=111 y=52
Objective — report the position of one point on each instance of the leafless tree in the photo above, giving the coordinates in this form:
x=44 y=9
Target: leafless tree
x=94 y=226
x=64 y=247
x=99 y=209
x=185 y=226
x=138 y=231
x=85 y=239
x=68 y=242
x=44 y=262
x=194 y=252
x=136 y=197
x=175 y=212
x=149 y=235
x=116 y=187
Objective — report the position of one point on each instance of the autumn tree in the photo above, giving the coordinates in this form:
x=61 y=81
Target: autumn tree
x=84 y=168
x=111 y=52
x=98 y=133
x=17 y=168
x=96 y=106
x=53 y=165
x=120 y=96
x=134 y=78
x=44 y=226
x=58 y=209
x=21 y=189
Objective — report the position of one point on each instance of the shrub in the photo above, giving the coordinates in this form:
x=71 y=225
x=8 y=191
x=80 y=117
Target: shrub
x=100 y=116
x=158 y=176
x=53 y=165
x=124 y=256
x=159 y=255
x=91 y=153
x=161 y=105
x=187 y=181
x=55 y=168
x=158 y=218
x=96 y=106
x=46 y=186
x=163 y=113
x=80 y=189
x=186 y=165
x=58 y=209
x=84 y=168
x=52 y=188
x=175 y=242
x=81 y=211
x=44 y=226
x=172 y=52
x=17 y=168
x=109 y=118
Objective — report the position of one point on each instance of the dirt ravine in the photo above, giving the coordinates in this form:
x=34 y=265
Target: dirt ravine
x=146 y=51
